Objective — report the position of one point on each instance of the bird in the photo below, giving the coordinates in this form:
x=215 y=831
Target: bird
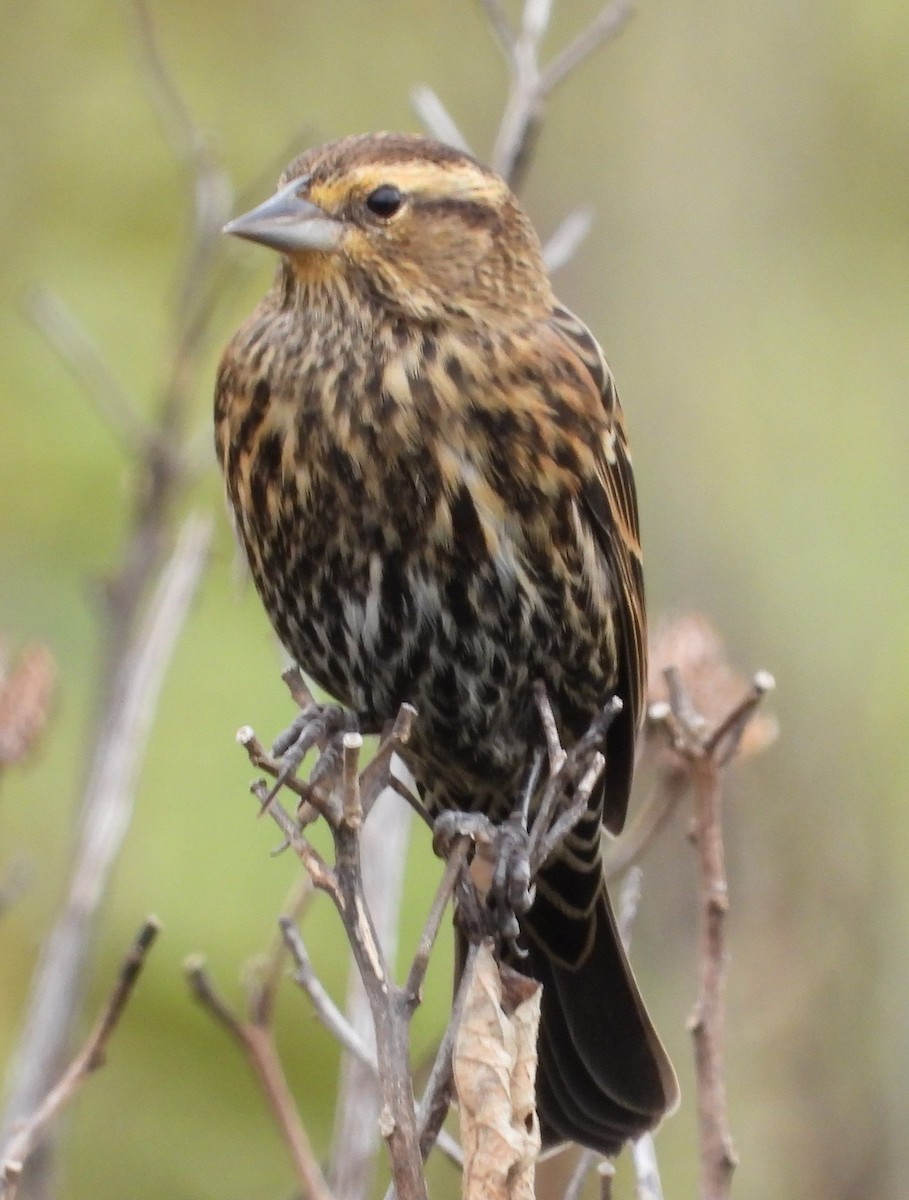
x=427 y=466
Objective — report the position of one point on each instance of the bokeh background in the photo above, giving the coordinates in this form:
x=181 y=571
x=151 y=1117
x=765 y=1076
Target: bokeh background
x=748 y=273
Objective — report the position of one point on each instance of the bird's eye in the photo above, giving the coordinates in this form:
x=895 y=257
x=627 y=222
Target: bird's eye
x=385 y=200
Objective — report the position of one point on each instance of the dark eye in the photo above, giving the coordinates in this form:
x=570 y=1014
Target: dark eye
x=385 y=200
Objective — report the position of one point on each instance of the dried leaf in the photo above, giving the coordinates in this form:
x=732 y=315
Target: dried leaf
x=25 y=698
x=495 y=1062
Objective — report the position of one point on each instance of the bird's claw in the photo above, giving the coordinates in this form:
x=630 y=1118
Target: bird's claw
x=322 y=725
x=452 y=825
x=508 y=892
x=511 y=892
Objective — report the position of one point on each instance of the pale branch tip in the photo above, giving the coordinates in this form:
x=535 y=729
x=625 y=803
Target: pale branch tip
x=436 y=119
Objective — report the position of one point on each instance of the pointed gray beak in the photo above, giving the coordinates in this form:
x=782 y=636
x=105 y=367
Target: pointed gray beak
x=288 y=223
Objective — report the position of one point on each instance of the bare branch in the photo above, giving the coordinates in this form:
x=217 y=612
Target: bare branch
x=498 y=20
x=322 y=875
x=30 y=1132
x=351 y=806
x=325 y=1008
x=456 y=863
x=566 y=240
x=436 y=119
x=261 y=759
x=646 y=1169
x=355 y=1141
x=377 y=773
x=436 y=1098
x=298 y=687
x=718 y=1157
x=107 y=807
x=258 y=1045
x=606 y=1172
x=211 y=198
x=530 y=85
x=73 y=346
x=602 y=29
x=339 y=1026
x=701 y=748
x=587 y=1160
x=269 y=971
x=724 y=740
x=671 y=787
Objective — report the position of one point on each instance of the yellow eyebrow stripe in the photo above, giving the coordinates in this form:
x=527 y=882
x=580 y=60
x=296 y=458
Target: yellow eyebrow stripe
x=426 y=179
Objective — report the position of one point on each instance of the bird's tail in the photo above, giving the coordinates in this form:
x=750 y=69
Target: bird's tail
x=603 y=1076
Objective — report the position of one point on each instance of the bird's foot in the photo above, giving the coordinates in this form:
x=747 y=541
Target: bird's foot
x=321 y=725
x=500 y=873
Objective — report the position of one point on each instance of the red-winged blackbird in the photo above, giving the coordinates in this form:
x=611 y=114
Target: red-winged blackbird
x=427 y=463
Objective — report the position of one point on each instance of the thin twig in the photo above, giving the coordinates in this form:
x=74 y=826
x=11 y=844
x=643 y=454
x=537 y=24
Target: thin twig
x=606 y=1173
x=498 y=20
x=351 y=805
x=565 y=241
x=322 y=875
x=436 y=1098
x=602 y=29
x=457 y=860
x=718 y=1157
x=92 y=1055
x=258 y=1045
x=377 y=774
x=646 y=1169
x=210 y=202
x=724 y=740
x=355 y=1141
x=69 y=340
x=107 y=807
x=390 y=1011
x=530 y=84
x=263 y=761
x=586 y=1162
x=298 y=687
x=325 y=1008
x=706 y=752
x=269 y=972
x=337 y=1024
x=436 y=119
x=670 y=789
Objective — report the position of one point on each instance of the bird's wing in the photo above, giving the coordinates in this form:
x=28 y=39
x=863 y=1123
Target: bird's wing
x=609 y=503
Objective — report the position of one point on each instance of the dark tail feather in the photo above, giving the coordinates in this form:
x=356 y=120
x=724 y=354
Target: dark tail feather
x=603 y=1076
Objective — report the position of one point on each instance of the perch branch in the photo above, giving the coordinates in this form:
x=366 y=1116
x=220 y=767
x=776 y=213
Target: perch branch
x=383 y=850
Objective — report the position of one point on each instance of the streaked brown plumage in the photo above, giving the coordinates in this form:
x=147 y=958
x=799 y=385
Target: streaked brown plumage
x=427 y=464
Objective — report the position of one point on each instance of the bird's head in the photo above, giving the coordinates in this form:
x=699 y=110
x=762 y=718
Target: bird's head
x=409 y=223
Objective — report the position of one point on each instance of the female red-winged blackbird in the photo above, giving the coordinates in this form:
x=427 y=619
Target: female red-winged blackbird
x=426 y=460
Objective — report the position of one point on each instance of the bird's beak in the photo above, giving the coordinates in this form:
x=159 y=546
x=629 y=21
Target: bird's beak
x=288 y=223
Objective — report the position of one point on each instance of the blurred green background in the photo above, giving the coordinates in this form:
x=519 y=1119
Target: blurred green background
x=748 y=273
